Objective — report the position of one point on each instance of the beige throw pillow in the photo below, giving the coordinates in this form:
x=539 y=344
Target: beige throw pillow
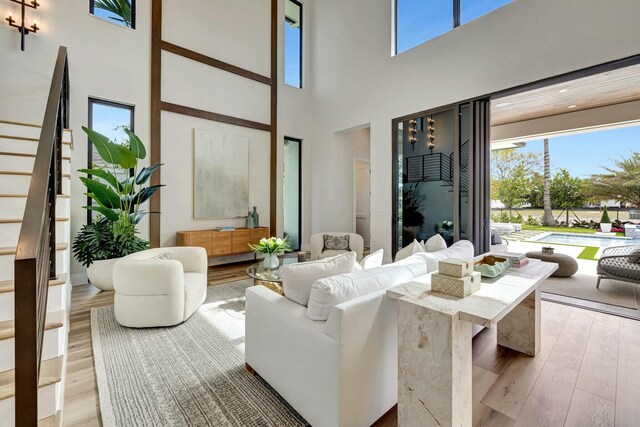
x=412 y=248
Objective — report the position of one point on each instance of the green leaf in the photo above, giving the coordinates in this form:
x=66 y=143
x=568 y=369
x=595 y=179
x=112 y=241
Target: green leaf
x=135 y=145
x=105 y=195
x=127 y=186
x=144 y=195
x=146 y=173
x=106 y=212
x=127 y=159
x=107 y=176
x=109 y=152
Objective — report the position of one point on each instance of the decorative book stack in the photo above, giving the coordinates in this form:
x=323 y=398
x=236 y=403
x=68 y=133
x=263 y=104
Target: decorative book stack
x=455 y=277
x=517 y=260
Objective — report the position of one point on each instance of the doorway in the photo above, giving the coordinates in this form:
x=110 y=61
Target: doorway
x=292 y=192
x=362 y=198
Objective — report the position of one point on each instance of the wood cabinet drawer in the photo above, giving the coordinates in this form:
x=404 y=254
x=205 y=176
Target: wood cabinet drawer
x=221 y=243
x=259 y=233
x=241 y=240
x=199 y=239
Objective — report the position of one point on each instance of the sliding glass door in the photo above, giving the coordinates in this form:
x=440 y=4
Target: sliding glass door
x=439 y=184
x=292 y=191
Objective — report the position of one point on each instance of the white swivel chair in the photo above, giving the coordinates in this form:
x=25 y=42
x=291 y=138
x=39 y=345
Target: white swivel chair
x=159 y=287
x=356 y=244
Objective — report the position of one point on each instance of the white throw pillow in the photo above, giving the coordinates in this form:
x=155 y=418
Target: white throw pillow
x=412 y=248
x=435 y=243
x=373 y=260
x=328 y=292
x=298 y=278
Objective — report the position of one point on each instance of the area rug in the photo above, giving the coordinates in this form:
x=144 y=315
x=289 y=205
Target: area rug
x=583 y=286
x=192 y=374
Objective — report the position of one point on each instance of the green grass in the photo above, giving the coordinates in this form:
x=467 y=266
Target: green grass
x=589 y=253
x=559 y=229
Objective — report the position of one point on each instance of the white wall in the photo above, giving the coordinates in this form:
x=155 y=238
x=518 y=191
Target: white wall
x=351 y=77
x=105 y=61
x=234 y=32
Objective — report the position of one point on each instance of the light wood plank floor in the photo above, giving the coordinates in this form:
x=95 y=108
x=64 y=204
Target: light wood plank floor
x=586 y=374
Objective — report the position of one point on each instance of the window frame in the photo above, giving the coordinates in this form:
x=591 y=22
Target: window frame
x=301 y=60
x=105 y=102
x=457 y=13
x=300 y=179
x=92 y=9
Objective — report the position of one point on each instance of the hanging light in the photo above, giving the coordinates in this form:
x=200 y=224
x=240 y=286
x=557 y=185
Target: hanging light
x=430 y=133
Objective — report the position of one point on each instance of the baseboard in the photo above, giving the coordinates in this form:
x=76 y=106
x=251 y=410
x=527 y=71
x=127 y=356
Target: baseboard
x=79 y=279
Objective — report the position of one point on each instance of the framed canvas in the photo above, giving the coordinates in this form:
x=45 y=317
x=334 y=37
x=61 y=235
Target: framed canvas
x=220 y=175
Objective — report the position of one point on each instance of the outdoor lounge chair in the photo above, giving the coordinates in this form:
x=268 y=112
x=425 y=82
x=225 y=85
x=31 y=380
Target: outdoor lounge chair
x=506 y=227
x=615 y=264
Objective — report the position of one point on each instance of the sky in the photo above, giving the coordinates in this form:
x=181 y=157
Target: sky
x=585 y=154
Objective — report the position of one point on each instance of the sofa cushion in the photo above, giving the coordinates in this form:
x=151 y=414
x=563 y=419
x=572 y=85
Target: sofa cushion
x=462 y=249
x=412 y=248
x=298 y=278
x=331 y=291
x=435 y=243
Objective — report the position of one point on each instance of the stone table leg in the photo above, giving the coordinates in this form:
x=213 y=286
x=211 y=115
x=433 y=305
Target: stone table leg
x=520 y=329
x=434 y=367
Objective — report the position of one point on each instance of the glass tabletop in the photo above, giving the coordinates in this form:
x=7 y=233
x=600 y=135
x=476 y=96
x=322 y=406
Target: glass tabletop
x=259 y=272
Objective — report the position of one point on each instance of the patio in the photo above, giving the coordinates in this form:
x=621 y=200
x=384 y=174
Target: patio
x=613 y=296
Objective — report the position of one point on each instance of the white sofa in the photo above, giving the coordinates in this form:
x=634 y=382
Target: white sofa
x=316 y=243
x=151 y=291
x=338 y=372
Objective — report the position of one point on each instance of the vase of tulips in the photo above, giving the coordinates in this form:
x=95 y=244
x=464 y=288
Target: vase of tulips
x=271 y=247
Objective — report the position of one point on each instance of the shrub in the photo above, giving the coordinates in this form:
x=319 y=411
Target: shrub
x=532 y=221
x=605 y=216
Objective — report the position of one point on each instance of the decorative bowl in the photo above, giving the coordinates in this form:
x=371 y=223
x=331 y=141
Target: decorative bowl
x=491 y=266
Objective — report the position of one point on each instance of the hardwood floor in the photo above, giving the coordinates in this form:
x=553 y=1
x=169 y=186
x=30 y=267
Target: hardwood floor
x=586 y=374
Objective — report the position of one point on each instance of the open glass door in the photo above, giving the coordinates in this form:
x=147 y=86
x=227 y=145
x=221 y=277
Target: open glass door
x=441 y=176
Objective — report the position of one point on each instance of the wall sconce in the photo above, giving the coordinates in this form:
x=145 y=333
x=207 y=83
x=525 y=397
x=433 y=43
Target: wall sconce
x=22 y=28
x=413 y=138
x=430 y=134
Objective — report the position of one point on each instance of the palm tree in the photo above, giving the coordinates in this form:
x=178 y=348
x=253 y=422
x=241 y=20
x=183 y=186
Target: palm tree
x=120 y=8
x=547 y=219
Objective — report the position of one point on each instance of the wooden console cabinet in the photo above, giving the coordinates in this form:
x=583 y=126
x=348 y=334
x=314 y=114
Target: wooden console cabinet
x=222 y=243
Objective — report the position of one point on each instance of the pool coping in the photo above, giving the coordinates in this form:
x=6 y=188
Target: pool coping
x=539 y=239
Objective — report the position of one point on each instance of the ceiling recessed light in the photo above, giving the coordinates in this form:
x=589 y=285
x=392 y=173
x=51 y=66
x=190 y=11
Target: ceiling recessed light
x=572 y=106
x=503 y=104
x=563 y=90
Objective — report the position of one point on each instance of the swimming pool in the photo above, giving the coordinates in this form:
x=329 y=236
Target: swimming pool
x=586 y=240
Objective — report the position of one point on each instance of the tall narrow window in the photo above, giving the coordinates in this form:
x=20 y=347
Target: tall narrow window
x=418 y=21
x=110 y=119
x=292 y=191
x=121 y=12
x=293 y=43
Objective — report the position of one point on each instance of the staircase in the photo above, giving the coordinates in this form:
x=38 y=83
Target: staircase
x=18 y=146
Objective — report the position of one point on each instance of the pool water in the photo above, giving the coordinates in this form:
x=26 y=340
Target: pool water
x=586 y=240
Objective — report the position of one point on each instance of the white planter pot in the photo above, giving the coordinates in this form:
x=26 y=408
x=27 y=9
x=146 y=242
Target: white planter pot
x=100 y=274
x=605 y=227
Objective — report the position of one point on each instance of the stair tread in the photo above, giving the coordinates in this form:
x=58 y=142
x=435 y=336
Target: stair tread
x=31 y=125
x=50 y=373
x=64 y=175
x=19 y=220
x=52 y=421
x=62 y=196
x=11 y=250
x=53 y=320
x=27 y=138
x=8 y=285
x=11 y=153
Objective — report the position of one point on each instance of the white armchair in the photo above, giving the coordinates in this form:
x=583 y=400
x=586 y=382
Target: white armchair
x=356 y=244
x=159 y=287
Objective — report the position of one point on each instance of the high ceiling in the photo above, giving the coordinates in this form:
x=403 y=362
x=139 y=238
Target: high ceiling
x=598 y=90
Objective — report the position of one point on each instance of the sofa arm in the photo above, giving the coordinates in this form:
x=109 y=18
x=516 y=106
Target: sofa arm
x=193 y=259
x=148 y=277
x=366 y=326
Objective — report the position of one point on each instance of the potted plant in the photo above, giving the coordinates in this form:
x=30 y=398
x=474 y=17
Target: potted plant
x=271 y=247
x=118 y=190
x=605 y=222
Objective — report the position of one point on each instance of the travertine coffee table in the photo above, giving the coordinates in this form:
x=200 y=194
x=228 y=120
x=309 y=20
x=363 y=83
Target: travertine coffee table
x=434 y=339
